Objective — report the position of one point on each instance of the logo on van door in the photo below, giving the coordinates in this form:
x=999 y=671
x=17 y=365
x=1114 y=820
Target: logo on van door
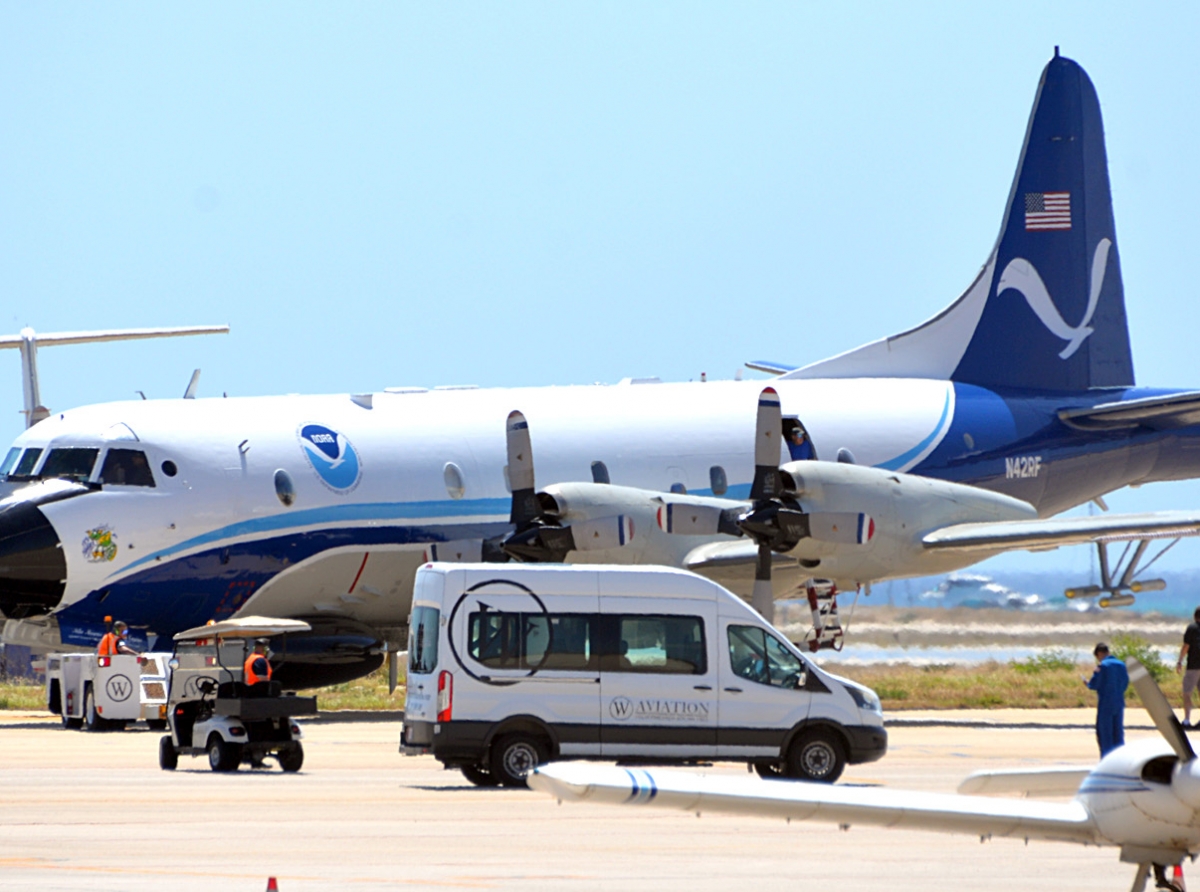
x=119 y=688
x=653 y=710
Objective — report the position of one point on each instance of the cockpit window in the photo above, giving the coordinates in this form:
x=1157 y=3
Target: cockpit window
x=70 y=464
x=27 y=463
x=9 y=461
x=126 y=467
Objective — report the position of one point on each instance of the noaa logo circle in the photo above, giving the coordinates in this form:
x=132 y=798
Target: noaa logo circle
x=331 y=455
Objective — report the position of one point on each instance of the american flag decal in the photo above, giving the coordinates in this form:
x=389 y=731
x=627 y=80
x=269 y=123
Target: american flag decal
x=1047 y=210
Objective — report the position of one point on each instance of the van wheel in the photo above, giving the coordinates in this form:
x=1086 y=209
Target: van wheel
x=168 y=757
x=92 y=720
x=479 y=775
x=769 y=770
x=514 y=756
x=223 y=756
x=816 y=755
x=292 y=758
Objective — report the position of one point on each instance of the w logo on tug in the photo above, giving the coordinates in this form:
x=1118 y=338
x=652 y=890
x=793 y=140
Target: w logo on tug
x=331 y=455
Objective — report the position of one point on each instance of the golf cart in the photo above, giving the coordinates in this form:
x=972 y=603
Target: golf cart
x=211 y=711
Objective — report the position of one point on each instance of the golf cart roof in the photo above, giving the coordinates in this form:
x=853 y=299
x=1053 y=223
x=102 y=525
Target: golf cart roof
x=246 y=627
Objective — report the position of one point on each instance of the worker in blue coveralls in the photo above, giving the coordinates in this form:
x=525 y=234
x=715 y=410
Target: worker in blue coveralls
x=1109 y=681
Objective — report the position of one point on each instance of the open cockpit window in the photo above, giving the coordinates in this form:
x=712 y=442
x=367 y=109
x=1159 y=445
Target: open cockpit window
x=72 y=463
x=126 y=467
x=29 y=460
x=9 y=461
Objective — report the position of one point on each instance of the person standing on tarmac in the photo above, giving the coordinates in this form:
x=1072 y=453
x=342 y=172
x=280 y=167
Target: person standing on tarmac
x=114 y=642
x=257 y=668
x=1190 y=652
x=1109 y=681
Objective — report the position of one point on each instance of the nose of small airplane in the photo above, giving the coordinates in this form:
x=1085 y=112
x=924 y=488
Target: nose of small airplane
x=33 y=570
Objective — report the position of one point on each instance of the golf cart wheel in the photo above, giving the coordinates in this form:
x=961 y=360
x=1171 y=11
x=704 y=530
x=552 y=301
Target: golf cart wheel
x=480 y=775
x=770 y=770
x=292 y=758
x=92 y=720
x=71 y=724
x=168 y=757
x=817 y=755
x=514 y=756
x=223 y=756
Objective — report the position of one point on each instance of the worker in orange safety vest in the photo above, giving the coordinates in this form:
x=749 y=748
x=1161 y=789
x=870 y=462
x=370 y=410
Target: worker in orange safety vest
x=257 y=669
x=114 y=642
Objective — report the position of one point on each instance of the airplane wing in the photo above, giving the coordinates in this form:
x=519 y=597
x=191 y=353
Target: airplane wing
x=116 y=334
x=771 y=368
x=840 y=804
x=735 y=553
x=1157 y=412
x=1053 y=532
x=1040 y=782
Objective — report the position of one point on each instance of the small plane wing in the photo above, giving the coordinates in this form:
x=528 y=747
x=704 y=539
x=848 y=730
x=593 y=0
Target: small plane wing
x=1157 y=412
x=840 y=804
x=1039 y=782
x=1053 y=532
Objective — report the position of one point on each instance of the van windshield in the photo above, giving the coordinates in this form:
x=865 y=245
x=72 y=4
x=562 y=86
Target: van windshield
x=423 y=641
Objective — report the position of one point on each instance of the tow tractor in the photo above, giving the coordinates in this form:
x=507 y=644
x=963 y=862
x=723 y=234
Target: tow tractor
x=210 y=711
x=99 y=693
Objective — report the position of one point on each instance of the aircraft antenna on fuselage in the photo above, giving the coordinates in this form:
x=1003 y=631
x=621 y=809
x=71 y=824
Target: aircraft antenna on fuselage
x=28 y=341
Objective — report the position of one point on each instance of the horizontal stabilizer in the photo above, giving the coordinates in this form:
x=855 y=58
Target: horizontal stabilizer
x=1156 y=412
x=1053 y=532
x=1044 y=782
x=58 y=338
x=832 y=803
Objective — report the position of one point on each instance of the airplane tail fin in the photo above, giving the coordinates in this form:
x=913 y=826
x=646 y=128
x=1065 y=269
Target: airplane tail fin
x=1047 y=312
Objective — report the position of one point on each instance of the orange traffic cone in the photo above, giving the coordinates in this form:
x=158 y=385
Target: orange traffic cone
x=273 y=886
x=1177 y=878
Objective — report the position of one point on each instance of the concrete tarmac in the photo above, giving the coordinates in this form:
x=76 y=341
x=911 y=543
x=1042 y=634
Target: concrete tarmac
x=94 y=811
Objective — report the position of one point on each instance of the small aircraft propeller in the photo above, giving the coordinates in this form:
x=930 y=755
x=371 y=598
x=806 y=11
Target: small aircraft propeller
x=774 y=521
x=1160 y=710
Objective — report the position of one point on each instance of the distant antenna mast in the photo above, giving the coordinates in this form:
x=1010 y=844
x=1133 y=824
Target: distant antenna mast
x=28 y=341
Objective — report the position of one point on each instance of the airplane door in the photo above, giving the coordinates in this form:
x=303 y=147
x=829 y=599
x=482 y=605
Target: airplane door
x=518 y=652
x=657 y=684
x=760 y=695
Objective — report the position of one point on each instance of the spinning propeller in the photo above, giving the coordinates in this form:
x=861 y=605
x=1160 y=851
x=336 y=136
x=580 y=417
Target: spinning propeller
x=774 y=520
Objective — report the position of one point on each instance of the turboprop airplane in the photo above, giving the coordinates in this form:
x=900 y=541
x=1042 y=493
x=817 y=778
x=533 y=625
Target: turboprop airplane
x=1143 y=797
x=167 y=513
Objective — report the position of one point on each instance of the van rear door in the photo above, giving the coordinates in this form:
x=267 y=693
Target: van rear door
x=522 y=652
x=657 y=680
x=761 y=697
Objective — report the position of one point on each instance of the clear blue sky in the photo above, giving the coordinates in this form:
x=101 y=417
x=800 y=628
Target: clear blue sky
x=508 y=194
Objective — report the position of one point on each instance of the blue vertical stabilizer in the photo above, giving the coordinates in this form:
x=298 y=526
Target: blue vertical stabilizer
x=1047 y=311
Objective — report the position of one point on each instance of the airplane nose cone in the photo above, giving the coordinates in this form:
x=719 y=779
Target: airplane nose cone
x=33 y=570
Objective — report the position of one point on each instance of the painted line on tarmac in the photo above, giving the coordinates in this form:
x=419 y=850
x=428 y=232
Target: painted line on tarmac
x=1018 y=726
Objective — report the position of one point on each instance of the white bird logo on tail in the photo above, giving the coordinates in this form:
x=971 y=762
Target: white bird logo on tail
x=1020 y=275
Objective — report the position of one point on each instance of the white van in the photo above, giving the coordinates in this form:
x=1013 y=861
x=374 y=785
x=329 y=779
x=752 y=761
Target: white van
x=510 y=666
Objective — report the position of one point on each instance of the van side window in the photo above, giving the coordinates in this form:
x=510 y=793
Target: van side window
x=762 y=658
x=531 y=640
x=423 y=641
x=672 y=645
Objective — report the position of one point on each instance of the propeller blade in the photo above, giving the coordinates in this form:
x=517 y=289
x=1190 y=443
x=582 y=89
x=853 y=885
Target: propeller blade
x=768 y=431
x=689 y=520
x=601 y=533
x=1160 y=710
x=762 y=598
x=843 y=528
x=525 y=505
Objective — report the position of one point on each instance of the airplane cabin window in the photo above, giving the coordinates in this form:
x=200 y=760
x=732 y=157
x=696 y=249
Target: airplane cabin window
x=285 y=489
x=126 y=467
x=27 y=463
x=69 y=464
x=9 y=461
x=168 y=468
x=454 y=480
x=720 y=483
x=600 y=472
